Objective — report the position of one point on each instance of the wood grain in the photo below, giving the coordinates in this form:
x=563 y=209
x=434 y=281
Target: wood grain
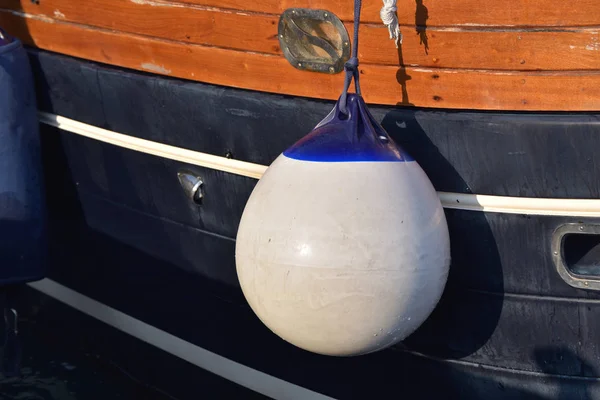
x=193 y=25
x=464 y=89
x=441 y=12
x=572 y=49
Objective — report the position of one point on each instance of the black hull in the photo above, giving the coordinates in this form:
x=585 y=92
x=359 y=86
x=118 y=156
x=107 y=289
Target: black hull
x=123 y=233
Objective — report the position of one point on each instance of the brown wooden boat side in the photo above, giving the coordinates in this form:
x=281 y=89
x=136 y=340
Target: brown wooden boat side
x=439 y=87
x=470 y=48
x=550 y=13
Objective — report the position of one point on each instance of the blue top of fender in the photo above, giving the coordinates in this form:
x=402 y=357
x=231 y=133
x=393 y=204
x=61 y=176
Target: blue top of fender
x=356 y=137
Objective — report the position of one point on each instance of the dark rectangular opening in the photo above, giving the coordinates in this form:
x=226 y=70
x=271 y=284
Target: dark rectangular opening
x=581 y=253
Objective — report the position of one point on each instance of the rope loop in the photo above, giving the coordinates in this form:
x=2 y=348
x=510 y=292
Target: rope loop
x=351 y=66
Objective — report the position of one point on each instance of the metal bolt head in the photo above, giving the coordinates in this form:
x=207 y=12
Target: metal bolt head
x=325 y=15
x=581 y=228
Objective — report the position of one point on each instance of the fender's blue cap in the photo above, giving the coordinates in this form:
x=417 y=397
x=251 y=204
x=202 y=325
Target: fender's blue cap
x=354 y=136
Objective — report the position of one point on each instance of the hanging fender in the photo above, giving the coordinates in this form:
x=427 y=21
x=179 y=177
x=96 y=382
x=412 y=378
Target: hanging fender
x=22 y=208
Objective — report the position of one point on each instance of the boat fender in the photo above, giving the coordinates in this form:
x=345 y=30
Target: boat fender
x=343 y=247
x=22 y=208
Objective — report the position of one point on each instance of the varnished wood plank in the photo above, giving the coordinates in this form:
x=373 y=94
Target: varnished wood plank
x=181 y=23
x=441 y=12
x=498 y=50
x=436 y=47
x=470 y=89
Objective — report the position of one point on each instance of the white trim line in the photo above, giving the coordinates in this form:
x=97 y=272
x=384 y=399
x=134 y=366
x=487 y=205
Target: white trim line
x=242 y=375
x=470 y=202
x=158 y=149
x=521 y=205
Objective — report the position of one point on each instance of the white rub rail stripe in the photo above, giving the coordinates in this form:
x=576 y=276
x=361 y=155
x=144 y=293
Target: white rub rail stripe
x=245 y=376
x=470 y=202
x=521 y=205
x=158 y=149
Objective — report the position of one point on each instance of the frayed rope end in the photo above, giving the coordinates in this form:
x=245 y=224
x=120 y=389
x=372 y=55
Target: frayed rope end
x=390 y=19
x=395 y=35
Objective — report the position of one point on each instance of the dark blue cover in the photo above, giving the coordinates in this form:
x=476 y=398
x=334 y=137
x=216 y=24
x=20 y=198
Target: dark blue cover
x=352 y=137
x=22 y=209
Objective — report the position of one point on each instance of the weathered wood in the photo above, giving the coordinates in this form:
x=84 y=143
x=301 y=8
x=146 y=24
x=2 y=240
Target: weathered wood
x=574 y=49
x=181 y=23
x=498 y=50
x=440 y=12
x=470 y=89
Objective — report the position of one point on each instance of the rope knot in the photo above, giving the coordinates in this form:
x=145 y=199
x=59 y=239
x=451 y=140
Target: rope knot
x=351 y=64
x=390 y=19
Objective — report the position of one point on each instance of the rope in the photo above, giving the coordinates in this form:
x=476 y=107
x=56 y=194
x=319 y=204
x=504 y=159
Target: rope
x=390 y=19
x=351 y=66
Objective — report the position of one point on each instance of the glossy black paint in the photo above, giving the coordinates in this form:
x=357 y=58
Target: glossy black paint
x=124 y=233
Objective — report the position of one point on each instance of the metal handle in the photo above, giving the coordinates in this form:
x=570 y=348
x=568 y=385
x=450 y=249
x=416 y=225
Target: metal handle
x=576 y=254
x=192 y=185
x=313 y=40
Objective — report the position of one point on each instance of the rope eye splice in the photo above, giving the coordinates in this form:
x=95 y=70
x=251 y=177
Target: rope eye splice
x=343 y=247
